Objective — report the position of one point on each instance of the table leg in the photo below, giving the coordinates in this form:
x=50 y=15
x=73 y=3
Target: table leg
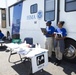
x=30 y=68
x=20 y=57
x=1 y=44
x=10 y=56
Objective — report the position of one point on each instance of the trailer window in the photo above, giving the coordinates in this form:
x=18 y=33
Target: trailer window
x=49 y=12
x=33 y=8
x=3 y=18
x=70 y=5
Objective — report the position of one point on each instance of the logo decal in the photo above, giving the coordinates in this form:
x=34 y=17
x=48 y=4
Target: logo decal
x=39 y=15
x=40 y=60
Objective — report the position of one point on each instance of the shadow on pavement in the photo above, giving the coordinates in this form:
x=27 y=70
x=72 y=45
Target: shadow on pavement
x=68 y=68
x=3 y=48
x=25 y=69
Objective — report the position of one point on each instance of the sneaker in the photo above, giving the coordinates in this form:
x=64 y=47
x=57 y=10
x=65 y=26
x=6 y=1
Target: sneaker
x=49 y=59
x=58 y=63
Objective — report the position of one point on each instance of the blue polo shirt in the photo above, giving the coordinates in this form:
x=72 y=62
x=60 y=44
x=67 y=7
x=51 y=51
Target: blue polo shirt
x=62 y=31
x=1 y=35
x=50 y=30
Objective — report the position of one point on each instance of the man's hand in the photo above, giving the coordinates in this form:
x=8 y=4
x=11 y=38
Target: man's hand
x=44 y=33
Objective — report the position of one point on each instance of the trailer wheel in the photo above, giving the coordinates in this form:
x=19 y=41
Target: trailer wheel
x=70 y=50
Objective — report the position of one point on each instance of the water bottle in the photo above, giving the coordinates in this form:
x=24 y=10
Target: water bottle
x=37 y=45
x=25 y=41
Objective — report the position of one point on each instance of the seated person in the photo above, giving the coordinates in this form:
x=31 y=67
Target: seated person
x=1 y=35
x=8 y=36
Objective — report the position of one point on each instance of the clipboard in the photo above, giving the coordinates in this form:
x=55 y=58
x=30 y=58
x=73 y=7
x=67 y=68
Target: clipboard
x=43 y=30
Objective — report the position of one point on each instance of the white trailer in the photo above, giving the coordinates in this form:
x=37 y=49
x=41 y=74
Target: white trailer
x=31 y=15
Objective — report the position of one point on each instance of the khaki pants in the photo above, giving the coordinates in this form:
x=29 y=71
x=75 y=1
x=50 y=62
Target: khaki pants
x=58 y=53
x=49 y=45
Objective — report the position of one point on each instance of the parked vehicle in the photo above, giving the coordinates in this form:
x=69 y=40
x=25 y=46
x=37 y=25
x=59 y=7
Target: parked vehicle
x=28 y=17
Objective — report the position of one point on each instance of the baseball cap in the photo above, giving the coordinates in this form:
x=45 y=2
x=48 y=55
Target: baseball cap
x=48 y=22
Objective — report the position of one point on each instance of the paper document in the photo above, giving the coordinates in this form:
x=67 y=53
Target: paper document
x=24 y=51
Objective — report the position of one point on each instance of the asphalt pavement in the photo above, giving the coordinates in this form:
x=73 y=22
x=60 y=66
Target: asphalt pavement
x=22 y=68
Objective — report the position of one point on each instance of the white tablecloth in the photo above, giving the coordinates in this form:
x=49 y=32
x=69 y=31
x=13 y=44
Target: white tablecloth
x=38 y=56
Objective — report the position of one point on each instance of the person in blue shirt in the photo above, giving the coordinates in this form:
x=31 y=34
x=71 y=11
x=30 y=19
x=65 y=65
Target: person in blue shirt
x=49 y=44
x=60 y=35
x=8 y=37
x=1 y=35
